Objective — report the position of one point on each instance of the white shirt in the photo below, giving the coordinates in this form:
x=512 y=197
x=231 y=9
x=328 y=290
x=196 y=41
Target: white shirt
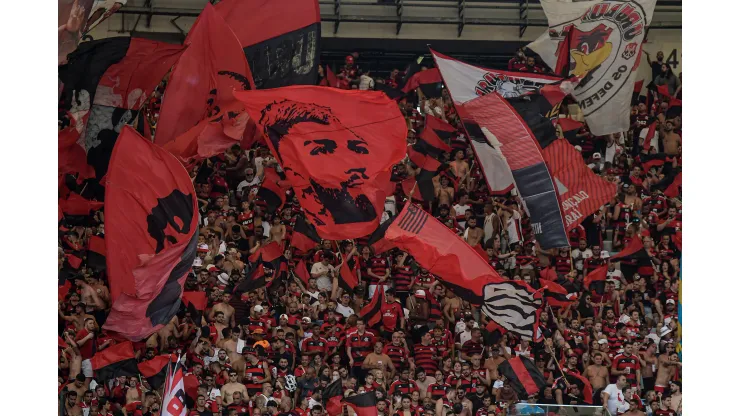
x=366 y=83
x=346 y=311
x=460 y=211
x=488 y=226
x=586 y=254
x=323 y=281
x=612 y=152
x=255 y=181
x=514 y=228
x=616 y=399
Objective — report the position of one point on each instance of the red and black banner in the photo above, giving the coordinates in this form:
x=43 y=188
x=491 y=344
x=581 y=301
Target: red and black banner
x=429 y=167
x=336 y=147
x=582 y=382
x=96 y=253
x=201 y=87
x=429 y=142
x=301 y=272
x=304 y=236
x=636 y=92
x=596 y=280
x=634 y=259
x=569 y=128
x=523 y=376
x=116 y=360
x=280 y=38
x=195 y=303
x=556 y=295
x=268 y=263
x=428 y=81
x=392 y=93
x=377 y=241
x=363 y=404
x=654 y=160
x=674 y=189
x=371 y=313
x=348 y=280
x=272 y=191
x=674 y=109
x=649 y=136
x=155 y=370
x=151 y=235
x=444 y=130
x=77 y=210
x=512 y=304
x=106 y=82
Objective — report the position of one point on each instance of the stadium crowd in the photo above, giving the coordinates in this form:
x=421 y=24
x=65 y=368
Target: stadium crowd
x=274 y=351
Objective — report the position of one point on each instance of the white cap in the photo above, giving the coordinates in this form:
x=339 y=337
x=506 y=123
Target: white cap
x=223 y=278
x=664 y=331
x=670 y=301
x=259 y=308
x=579 y=148
x=597 y=155
x=605 y=254
x=603 y=341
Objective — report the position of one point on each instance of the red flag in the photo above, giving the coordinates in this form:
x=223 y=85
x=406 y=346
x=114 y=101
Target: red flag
x=269 y=252
x=197 y=299
x=62 y=344
x=348 y=278
x=151 y=235
x=596 y=279
x=426 y=80
x=512 y=304
x=663 y=90
x=336 y=147
x=208 y=138
x=672 y=190
x=638 y=86
x=331 y=78
x=116 y=360
x=581 y=191
x=556 y=295
x=334 y=406
x=377 y=241
x=204 y=78
x=569 y=127
x=444 y=130
x=280 y=38
x=649 y=136
x=272 y=189
x=429 y=142
x=562 y=65
x=301 y=272
x=77 y=205
x=96 y=252
x=523 y=375
x=173 y=400
x=304 y=236
x=155 y=370
x=363 y=404
x=72 y=156
x=371 y=312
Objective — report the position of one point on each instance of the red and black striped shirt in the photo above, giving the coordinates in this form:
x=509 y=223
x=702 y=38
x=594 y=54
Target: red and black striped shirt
x=632 y=362
x=406 y=387
x=398 y=355
x=378 y=265
x=361 y=346
x=254 y=372
x=423 y=358
x=437 y=390
x=402 y=276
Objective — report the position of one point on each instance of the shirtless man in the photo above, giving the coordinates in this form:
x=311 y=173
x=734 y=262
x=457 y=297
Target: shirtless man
x=632 y=198
x=451 y=305
x=230 y=344
x=225 y=308
x=78 y=387
x=164 y=334
x=71 y=406
x=671 y=140
x=648 y=363
x=597 y=373
x=133 y=394
x=277 y=230
x=473 y=234
x=220 y=323
x=667 y=364
x=423 y=381
x=232 y=386
x=445 y=404
x=444 y=192
x=380 y=361
x=634 y=409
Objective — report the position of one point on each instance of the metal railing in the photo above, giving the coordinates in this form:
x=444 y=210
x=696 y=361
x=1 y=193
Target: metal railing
x=522 y=409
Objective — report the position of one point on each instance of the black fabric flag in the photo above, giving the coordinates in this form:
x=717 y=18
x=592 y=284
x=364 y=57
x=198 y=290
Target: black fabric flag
x=155 y=370
x=116 y=360
x=304 y=236
x=96 y=253
x=523 y=375
x=363 y=404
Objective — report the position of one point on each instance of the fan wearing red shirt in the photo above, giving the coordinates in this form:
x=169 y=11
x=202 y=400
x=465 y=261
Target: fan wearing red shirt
x=315 y=345
x=392 y=315
x=628 y=364
x=85 y=339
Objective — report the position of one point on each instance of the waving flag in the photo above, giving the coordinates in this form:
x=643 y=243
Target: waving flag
x=155 y=370
x=151 y=234
x=105 y=84
x=581 y=191
x=511 y=304
x=96 y=253
x=507 y=142
x=606 y=43
x=444 y=130
x=203 y=80
x=304 y=236
x=173 y=402
x=336 y=147
x=371 y=313
x=348 y=280
x=272 y=191
x=116 y=360
x=195 y=303
x=363 y=404
x=428 y=81
x=280 y=39
x=556 y=295
x=523 y=375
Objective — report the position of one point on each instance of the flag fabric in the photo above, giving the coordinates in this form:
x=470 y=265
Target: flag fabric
x=371 y=313
x=674 y=189
x=581 y=192
x=280 y=38
x=334 y=406
x=336 y=147
x=518 y=140
x=636 y=92
x=77 y=205
x=331 y=78
x=301 y=272
x=556 y=295
x=203 y=80
x=596 y=280
x=96 y=253
x=348 y=280
x=155 y=370
x=195 y=302
x=114 y=361
x=569 y=128
x=106 y=82
x=523 y=376
x=210 y=137
x=272 y=191
x=304 y=236
x=583 y=384
x=428 y=81
x=429 y=167
x=334 y=389
x=173 y=401
x=151 y=235
x=267 y=263
x=71 y=156
x=377 y=241
x=605 y=48
x=429 y=143
x=649 y=136
x=363 y=404
x=562 y=64
x=512 y=304
x=101 y=10
x=442 y=129
x=674 y=109
x=634 y=259
x=392 y=93
x=653 y=160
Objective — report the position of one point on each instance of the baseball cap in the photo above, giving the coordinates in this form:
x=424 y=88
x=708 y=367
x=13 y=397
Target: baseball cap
x=284 y=316
x=223 y=278
x=306 y=319
x=670 y=301
x=203 y=248
x=420 y=294
x=211 y=267
x=248 y=350
x=258 y=331
x=259 y=309
x=597 y=155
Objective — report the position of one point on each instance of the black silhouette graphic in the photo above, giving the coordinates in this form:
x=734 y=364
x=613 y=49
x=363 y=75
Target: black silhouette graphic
x=172 y=213
x=332 y=138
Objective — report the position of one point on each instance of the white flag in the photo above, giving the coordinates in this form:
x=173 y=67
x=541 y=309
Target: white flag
x=173 y=403
x=607 y=42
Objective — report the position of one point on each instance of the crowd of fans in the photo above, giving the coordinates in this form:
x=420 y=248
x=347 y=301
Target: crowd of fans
x=274 y=351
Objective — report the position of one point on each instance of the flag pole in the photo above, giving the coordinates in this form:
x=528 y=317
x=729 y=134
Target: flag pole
x=411 y=194
x=552 y=353
x=166 y=381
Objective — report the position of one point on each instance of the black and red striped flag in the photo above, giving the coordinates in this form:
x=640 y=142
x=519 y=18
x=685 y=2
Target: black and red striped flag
x=649 y=136
x=634 y=259
x=569 y=128
x=556 y=295
x=96 y=253
x=428 y=81
x=301 y=272
x=653 y=160
x=195 y=303
x=523 y=376
x=116 y=360
x=377 y=241
x=304 y=236
x=596 y=280
x=444 y=130
x=429 y=143
x=674 y=109
x=155 y=370
x=392 y=93
x=348 y=280
x=582 y=382
x=267 y=263
x=429 y=167
x=636 y=92
x=363 y=404
x=272 y=189
x=371 y=312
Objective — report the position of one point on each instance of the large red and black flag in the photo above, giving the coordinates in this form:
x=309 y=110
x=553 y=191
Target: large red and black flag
x=674 y=188
x=301 y=272
x=636 y=92
x=582 y=382
x=272 y=189
x=392 y=93
x=511 y=304
x=96 y=253
x=199 y=96
x=653 y=160
x=151 y=235
x=377 y=241
x=348 y=280
x=596 y=280
x=267 y=264
x=429 y=167
x=634 y=259
x=106 y=82
x=581 y=192
x=371 y=313
x=556 y=295
x=337 y=149
x=523 y=376
x=76 y=209
x=280 y=39
x=155 y=370
x=569 y=128
x=304 y=236
x=444 y=130
x=363 y=404
x=428 y=81
x=649 y=136
x=116 y=360
x=429 y=142
x=195 y=303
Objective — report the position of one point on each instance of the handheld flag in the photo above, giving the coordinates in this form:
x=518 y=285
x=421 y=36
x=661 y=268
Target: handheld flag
x=523 y=375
